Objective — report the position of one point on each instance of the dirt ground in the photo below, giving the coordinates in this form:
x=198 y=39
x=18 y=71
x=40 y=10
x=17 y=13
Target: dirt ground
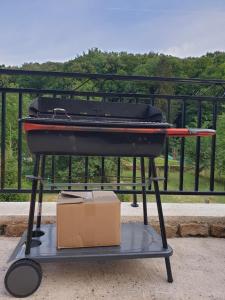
x=198 y=266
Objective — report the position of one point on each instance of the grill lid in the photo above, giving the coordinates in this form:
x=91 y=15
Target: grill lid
x=46 y=107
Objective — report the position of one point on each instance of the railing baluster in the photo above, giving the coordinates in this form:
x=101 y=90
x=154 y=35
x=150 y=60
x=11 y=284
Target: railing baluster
x=134 y=176
x=118 y=172
x=53 y=171
x=69 y=171
x=19 y=151
x=86 y=161
x=3 y=139
x=166 y=162
x=213 y=148
x=198 y=147
x=134 y=179
x=70 y=163
x=102 y=171
x=54 y=95
x=149 y=159
x=181 y=173
x=149 y=173
x=118 y=161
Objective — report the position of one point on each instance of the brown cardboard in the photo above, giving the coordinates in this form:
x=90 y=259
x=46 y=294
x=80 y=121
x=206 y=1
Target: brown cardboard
x=89 y=219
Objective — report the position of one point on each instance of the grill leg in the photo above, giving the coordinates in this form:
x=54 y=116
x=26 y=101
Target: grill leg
x=32 y=205
x=40 y=196
x=144 y=191
x=161 y=219
x=168 y=270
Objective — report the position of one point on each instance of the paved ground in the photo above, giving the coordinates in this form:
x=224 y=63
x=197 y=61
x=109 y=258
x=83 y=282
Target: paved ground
x=198 y=266
x=15 y=209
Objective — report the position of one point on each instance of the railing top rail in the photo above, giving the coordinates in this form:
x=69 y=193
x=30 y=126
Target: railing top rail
x=110 y=94
x=110 y=76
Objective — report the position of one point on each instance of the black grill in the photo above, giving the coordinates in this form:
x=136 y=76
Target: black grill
x=65 y=120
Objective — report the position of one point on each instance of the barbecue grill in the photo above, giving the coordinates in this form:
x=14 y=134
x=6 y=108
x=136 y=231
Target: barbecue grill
x=64 y=126
x=67 y=127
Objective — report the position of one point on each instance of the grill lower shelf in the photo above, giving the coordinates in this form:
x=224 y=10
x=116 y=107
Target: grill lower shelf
x=137 y=241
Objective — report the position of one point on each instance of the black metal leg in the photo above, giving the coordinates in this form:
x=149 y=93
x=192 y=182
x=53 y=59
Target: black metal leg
x=168 y=270
x=32 y=204
x=161 y=218
x=159 y=205
x=40 y=196
x=144 y=191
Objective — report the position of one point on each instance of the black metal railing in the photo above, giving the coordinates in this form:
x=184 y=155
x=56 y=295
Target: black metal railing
x=202 y=95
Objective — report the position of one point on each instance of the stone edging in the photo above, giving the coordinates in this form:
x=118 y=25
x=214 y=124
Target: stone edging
x=13 y=218
x=174 y=227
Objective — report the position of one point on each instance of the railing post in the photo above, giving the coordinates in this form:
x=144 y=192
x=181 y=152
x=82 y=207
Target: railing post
x=213 y=148
x=198 y=147
x=19 y=165
x=134 y=203
x=166 y=163
x=3 y=140
x=181 y=175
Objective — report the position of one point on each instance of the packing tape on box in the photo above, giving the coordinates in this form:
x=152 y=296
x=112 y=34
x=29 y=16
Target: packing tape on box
x=89 y=206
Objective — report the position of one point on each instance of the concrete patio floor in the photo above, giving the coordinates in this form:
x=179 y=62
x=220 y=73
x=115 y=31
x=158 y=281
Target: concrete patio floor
x=198 y=266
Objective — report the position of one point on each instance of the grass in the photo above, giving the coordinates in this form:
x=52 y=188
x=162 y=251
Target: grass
x=189 y=181
x=165 y=198
x=173 y=180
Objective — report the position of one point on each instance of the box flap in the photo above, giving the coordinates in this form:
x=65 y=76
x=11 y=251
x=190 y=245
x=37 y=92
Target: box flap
x=104 y=196
x=73 y=197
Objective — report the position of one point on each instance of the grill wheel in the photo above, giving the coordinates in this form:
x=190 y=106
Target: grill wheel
x=23 y=278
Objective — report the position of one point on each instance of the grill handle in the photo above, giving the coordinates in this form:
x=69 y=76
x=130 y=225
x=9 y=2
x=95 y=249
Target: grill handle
x=60 y=111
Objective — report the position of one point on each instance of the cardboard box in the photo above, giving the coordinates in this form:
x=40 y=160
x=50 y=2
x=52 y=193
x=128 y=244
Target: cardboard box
x=88 y=219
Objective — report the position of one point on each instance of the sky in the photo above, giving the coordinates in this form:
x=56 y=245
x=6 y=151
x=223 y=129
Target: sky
x=60 y=30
